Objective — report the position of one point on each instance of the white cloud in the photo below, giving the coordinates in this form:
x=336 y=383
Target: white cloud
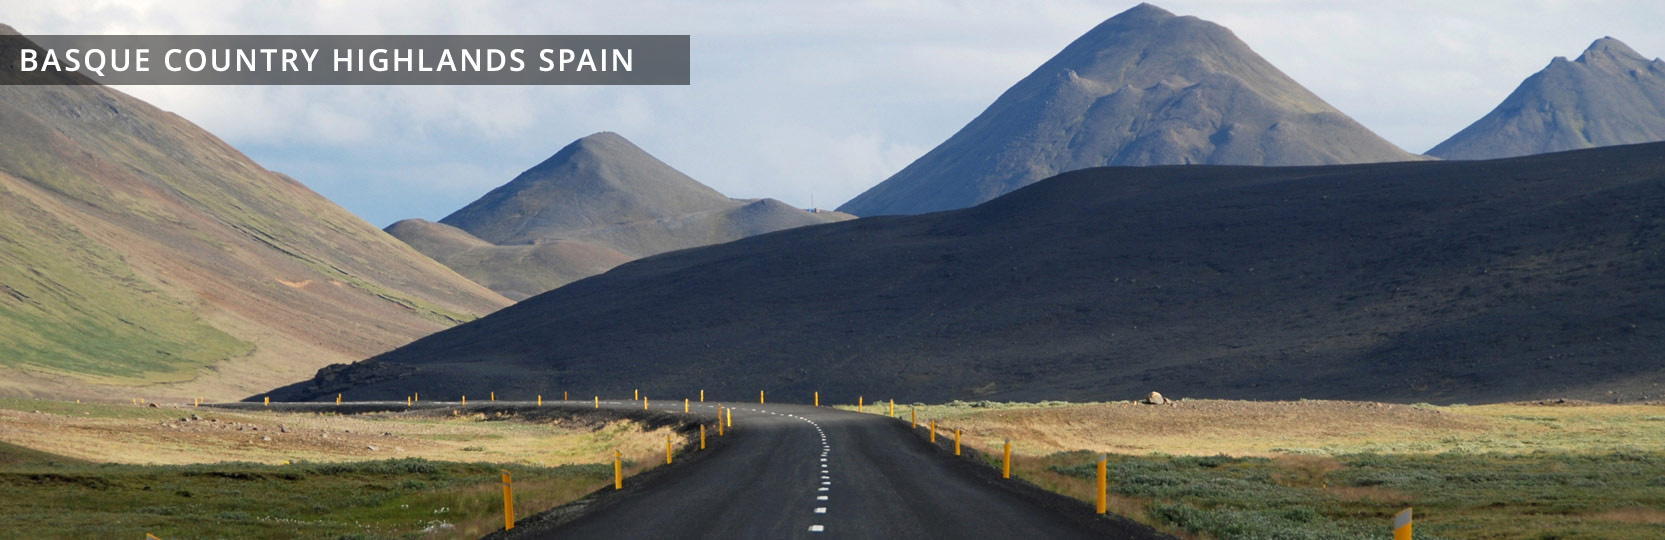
x=795 y=98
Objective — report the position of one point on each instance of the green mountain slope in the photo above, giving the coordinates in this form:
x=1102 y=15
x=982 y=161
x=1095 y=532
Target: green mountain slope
x=140 y=249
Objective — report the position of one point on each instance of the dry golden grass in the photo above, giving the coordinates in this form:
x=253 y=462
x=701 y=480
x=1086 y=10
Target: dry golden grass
x=1254 y=428
x=137 y=434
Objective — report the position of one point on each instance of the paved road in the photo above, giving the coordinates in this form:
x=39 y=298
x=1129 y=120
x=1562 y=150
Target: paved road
x=792 y=471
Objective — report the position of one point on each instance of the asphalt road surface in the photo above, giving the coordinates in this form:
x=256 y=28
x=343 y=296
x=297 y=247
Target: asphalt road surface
x=794 y=471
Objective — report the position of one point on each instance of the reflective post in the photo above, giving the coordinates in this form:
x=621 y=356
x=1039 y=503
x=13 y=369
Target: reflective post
x=1103 y=483
x=702 y=436
x=956 y=441
x=508 y=501
x=618 y=470
x=1006 y=465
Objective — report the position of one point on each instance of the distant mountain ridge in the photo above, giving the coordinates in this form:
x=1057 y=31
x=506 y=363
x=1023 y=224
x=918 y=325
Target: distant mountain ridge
x=598 y=202
x=1145 y=87
x=142 y=255
x=1609 y=95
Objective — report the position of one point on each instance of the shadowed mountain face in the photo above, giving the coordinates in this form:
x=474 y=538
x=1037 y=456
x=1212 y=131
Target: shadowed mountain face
x=1610 y=95
x=1424 y=281
x=1143 y=88
x=596 y=203
x=140 y=250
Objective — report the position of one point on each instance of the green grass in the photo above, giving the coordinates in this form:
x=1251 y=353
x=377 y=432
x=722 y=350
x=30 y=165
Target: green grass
x=1540 y=496
x=50 y=497
x=72 y=307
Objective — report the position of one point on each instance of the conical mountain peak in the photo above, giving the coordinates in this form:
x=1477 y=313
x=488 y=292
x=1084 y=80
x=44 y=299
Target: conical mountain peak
x=599 y=180
x=1145 y=87
x=1609 y=95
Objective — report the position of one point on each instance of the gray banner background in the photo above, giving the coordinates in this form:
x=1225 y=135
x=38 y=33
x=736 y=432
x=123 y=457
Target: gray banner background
x=655 y=60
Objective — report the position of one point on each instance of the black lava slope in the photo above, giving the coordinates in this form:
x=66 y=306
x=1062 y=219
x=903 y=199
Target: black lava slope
x=1423 y=281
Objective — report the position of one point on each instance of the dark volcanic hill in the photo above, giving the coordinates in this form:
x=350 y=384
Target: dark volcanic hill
x=596 y=203
x=1610 y=95
x=1143 y=88
x=1421 y=281
x=140 y=255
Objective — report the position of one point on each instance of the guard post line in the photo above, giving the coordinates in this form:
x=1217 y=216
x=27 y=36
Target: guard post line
x=817 y=398
x=913 y=417
x=956 y=441
x=1103 y=484
x=494 y=396
x=618 y=470
x=267 y=402
x=338 y=399
x=731 y=417
x=702 y=436
x=540 y=400
x=933 y=430
x=644 y=403
x=860 y=407
x=684 y=405
x=702 y=395
x=1402 y=525
x=759 y=397
x=1006 y=465
x=598 y=402
x=563 y=395
x=508 y=501
x=893 y=408
x=667 y=449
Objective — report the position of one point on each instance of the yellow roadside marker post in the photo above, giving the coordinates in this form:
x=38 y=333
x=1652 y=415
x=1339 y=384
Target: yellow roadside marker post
x=667 y=449
x=1006 y=465
x=759 y=397
x=893 y=408
x=644 y=403
x=563 y=395
x=338 y=399
x=508 y=501
x=1103 y=483
x=860 y=407
x=913 y=417
x=618 y=470
x=702 y=395
x=418 y=397
x=407 y=401
x=702 y=436
x=465 y=400
x=684 y=405
x=933 y=430
x=268 y=401
x=817 y=399
x=731 y=417
x=1402 y=525
x=956 y=441
x=494 y=396
x=636 y=394
x=719 y=422
x=540 y=400
x=598 y=402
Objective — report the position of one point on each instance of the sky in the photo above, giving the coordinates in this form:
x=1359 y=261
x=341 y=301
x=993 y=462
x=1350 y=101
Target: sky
x=807 y=102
